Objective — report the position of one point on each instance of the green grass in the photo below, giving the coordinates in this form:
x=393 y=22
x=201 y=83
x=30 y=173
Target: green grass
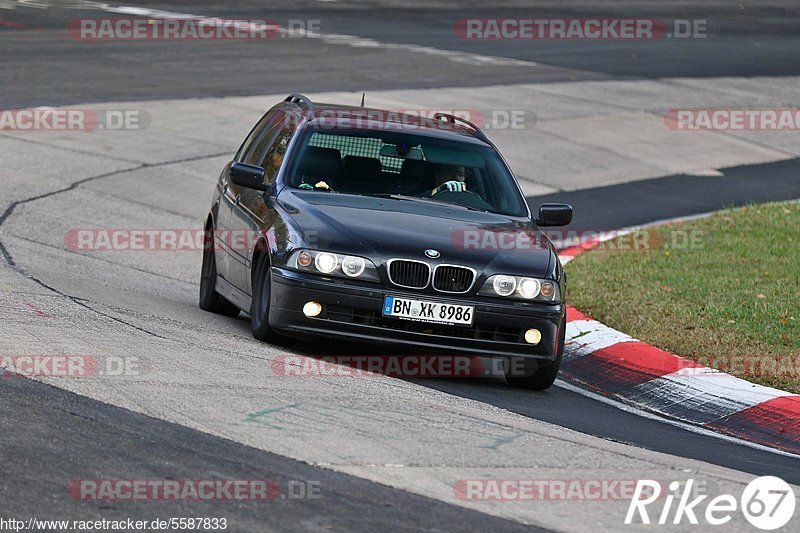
x=729 y=299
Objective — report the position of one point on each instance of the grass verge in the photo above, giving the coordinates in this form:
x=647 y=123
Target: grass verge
x=723 y=290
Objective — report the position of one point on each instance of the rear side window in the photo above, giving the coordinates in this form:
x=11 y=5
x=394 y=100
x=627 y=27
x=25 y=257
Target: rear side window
x=254 y=153
x=254 y=134
x=272 y=158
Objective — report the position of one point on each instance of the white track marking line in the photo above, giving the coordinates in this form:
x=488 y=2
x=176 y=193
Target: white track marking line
x=342 y=39
x=683 y=425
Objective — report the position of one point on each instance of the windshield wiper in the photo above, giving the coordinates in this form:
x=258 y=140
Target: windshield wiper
x=395 y=196
x=424 y=199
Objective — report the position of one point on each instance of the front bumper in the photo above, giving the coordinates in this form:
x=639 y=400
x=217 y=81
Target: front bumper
x=352 y=310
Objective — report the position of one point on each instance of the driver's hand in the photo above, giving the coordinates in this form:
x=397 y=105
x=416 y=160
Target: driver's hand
x=451 y=186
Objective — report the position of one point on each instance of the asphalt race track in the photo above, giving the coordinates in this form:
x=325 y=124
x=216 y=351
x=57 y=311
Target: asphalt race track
x=202 y=400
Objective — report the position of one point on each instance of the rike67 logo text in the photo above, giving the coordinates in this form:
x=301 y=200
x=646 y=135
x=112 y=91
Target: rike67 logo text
x=767 y=502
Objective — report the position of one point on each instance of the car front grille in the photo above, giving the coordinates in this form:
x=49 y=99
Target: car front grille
x=450 y=278
x=412 y=274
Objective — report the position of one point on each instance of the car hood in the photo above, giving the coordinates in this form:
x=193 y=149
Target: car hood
x=386 y=228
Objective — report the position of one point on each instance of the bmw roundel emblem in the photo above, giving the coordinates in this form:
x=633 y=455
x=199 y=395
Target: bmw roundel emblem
x=433 y=254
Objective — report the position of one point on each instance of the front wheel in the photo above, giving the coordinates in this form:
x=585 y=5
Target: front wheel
x=532 y=374
x=259 y=310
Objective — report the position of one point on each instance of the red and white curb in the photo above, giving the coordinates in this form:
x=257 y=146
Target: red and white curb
x=614 y=364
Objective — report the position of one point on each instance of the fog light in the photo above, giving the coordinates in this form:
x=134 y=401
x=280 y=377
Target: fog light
x=532 y=336
x=312 y=309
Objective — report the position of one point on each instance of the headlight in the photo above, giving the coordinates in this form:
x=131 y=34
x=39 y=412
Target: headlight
x=504 y=285
x=325 y=262
x=529 y=288
x=353 y=266
x=523 y=288
x=332 y=264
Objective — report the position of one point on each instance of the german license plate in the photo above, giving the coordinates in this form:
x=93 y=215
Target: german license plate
x=424 y=311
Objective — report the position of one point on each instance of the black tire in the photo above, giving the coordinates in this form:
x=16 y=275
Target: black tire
x=210 y=300
x=536 y=375
x=259 y=310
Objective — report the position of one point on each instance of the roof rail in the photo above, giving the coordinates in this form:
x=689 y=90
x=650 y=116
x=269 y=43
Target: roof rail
x=447 y=117
x=302 y=100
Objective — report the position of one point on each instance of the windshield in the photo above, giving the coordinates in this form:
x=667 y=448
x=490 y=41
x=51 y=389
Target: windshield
x=406 y=166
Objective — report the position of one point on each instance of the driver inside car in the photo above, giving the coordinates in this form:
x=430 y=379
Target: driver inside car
x=450 y=178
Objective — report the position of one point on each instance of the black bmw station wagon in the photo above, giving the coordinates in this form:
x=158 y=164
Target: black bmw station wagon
x=385 y=230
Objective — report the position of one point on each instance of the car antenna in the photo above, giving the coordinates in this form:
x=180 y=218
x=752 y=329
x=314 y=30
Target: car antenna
x=362 y=99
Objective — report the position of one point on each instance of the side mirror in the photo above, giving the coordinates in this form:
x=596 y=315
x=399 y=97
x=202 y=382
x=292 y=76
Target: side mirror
x=249 y=176
x=554 y=215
